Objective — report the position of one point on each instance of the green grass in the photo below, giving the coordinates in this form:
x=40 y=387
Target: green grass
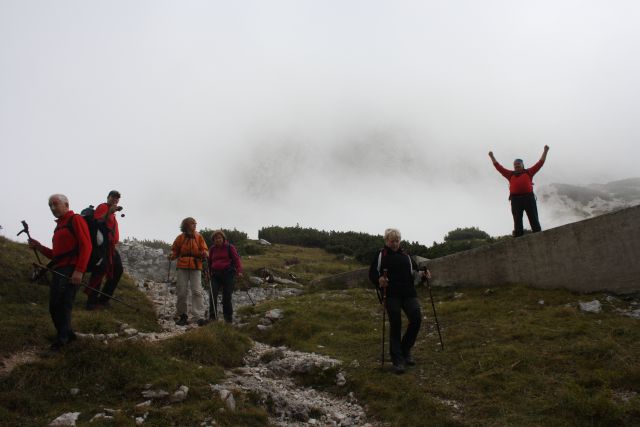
x=508 y=360
x=312 y=263
x=25 y=305
x=113 y=375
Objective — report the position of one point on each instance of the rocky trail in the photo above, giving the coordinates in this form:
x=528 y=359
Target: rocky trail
x=268 y=372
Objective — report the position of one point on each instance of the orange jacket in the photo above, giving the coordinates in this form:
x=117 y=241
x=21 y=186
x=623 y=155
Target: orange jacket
x=189 y=251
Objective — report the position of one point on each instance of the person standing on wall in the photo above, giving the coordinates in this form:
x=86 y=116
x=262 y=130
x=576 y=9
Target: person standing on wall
x=521 y=191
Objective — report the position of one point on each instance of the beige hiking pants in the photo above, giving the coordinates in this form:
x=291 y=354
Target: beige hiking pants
x=189 y=280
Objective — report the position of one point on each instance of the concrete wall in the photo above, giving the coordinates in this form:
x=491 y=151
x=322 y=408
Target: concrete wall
x=597 y=254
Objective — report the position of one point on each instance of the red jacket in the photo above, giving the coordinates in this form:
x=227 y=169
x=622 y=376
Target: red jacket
x=520 y=184
x=72 y=248
x=220 y=258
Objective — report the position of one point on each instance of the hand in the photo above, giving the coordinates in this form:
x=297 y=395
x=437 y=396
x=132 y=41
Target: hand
x=426 y=274
x=240 y=275
x=546 y=148
x=491 y=154
x=76 y=277
x=383 y=282
x=34 y=244
x=112 y=209
x=170 y=257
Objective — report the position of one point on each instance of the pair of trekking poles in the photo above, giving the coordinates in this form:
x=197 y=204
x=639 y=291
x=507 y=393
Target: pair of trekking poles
x=213 y=303
x=41 y=269
x=384 y=314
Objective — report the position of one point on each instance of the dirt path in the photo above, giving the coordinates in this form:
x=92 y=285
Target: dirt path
x=14 y=360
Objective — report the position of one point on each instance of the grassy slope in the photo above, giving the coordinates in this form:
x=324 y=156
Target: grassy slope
x=108 y=376
x=508 y=360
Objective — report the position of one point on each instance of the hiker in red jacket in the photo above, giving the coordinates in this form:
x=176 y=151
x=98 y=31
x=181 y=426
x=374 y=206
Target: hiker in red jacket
x=521 y=191
x=105 y=212
x=69 y=257
x=224 y=265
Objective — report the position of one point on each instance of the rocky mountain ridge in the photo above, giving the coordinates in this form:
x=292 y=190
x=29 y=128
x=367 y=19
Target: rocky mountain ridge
x=569 y=203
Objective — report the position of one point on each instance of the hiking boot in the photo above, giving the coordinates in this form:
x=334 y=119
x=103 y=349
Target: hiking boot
x=202 y=322
x=399 y=368
x=408 y=360
x=182 y=321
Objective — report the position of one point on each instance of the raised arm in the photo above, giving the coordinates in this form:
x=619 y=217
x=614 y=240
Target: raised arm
x=535 y=168
x=493 y=159
x=502 y=170
x=544 y=154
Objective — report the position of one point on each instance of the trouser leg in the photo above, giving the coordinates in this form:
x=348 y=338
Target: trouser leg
x=517 y=210
x=94 y=284
x=112 y=282
x=197 y=299
x=215 y=288
x=411 y=308
x=182 y=279
x=394 y=310
x=56 y=295
x=61 y=297
x=227 y=297
x=531 y=208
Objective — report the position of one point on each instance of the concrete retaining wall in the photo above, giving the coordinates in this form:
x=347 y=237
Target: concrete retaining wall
x=597 y=254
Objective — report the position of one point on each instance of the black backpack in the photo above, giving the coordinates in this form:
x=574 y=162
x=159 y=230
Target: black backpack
x=99 y=240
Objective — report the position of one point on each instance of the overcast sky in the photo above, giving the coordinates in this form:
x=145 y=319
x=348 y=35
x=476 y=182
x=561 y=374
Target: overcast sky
x=343 y=115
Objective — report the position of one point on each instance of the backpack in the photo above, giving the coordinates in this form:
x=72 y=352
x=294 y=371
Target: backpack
x=232 y=266
x=99 y=240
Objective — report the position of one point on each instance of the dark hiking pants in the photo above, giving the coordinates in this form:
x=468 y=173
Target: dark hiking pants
x=224 y=280
x=112 y=282
x=61 y=296
x=524 y=203
x=400 y=346
x=110 y=285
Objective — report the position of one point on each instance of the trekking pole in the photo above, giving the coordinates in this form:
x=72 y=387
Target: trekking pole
x=26 y=230
x=249 y=295
x=213 y=305
x=384 y=315
x=168 y=282
x=435 y=316
x=44 y=267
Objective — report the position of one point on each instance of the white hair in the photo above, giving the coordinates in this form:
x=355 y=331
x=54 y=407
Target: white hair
x=391 y=234
x=60 y=197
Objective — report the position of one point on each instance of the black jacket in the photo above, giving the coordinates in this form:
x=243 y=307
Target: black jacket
x=400 y=269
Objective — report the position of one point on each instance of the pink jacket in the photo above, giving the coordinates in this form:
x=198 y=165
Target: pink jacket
x=221 y=258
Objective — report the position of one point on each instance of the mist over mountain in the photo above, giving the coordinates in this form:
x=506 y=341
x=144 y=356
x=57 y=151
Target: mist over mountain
x=568 y=203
